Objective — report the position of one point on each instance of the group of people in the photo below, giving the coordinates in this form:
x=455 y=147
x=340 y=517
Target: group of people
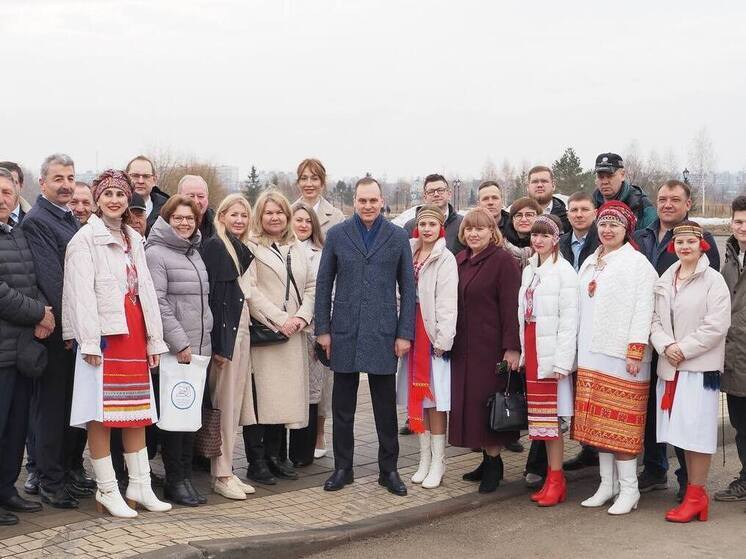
x=611 y=314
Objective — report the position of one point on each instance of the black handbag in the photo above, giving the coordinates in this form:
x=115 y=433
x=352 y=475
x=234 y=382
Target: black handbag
x=263 y=335
x=508 y=409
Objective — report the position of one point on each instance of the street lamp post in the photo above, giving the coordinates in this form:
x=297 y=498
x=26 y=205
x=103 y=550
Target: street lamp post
x=457 y=188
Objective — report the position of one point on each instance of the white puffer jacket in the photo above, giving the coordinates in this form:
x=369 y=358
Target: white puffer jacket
x=555 y=312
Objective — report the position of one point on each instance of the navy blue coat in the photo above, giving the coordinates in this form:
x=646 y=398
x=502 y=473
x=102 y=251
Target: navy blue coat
x=365 y=323
x=657 y=253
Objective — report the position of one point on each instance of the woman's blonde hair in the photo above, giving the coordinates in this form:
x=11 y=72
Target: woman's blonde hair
x=479 y=217
x=288 y=236
x=317 y=235
x=227 y=203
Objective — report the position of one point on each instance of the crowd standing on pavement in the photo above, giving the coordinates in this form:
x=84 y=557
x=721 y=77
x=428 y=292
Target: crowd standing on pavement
x=609 y=311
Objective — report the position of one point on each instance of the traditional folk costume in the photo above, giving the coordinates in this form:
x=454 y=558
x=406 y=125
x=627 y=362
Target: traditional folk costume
x=616 y=308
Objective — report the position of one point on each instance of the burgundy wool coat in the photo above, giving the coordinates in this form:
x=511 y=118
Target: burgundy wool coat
x=487 y=326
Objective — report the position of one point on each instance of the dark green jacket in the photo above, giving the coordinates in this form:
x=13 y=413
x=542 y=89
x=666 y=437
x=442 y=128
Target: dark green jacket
x=637 y=201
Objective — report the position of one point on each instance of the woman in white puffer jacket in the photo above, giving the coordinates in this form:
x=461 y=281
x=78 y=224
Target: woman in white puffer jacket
x=548 y=318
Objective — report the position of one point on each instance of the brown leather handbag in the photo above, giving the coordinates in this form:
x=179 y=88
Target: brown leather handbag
x=207 y=441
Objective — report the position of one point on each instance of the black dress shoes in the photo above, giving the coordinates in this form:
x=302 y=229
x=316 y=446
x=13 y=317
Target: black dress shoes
x=259 y=472
x=81 y=479
x=16 y=503
x=78 y=491
x=515 y=446
x=59 y=500
x=7 y=519
x=586 y=457
x=31 y=486
x=281 y=468
x=179 y=494
x=393 y=483
x=338 y=480
x=201 y=499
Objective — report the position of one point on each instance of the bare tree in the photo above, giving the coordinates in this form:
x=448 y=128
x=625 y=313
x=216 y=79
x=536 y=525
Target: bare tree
x=489 y=171
x=701 y=166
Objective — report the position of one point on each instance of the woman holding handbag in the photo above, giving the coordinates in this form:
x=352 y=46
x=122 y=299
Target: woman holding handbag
x=548 y=313
x=227 y=259
x=424 y=376
x=690 y=324
x=180 y=280
x=110 y=309
x=616 y=308
x=486 y=336
x=283 y=286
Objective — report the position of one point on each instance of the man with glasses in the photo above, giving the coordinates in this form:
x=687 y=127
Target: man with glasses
x=541 y=188
x=611 y=185
x=436 y=191
x=142 y=173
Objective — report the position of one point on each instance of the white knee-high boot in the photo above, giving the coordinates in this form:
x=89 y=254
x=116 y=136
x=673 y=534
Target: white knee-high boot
x=107 y=495
x=438 y=464
x=629 y=494
x=608 y=487
x=425 y=458
x=139 y=491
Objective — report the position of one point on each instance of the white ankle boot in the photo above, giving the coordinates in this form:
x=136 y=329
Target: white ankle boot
x=629 y=495
x=609 y=485
x=139 y=491
x=425 y=458
x=438 y=464
x=107 y=495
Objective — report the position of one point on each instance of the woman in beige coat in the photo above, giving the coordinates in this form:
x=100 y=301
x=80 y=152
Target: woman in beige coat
x=283 y=286
x=690 y=323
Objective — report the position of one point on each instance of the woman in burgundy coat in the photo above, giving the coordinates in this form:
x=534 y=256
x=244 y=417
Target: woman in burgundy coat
x=486 y=335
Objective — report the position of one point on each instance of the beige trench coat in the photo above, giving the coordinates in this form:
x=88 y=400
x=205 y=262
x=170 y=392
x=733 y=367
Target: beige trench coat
x=281 y=371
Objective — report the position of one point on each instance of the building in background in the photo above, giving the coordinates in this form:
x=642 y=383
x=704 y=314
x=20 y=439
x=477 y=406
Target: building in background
x=227 y=175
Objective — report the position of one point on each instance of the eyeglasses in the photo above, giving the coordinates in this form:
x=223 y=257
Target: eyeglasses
x=182 y=218
x=440 y=191
x=138 y=176
x=526 y=215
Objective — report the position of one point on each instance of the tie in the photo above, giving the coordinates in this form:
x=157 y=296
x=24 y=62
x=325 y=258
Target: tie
x=11 y=222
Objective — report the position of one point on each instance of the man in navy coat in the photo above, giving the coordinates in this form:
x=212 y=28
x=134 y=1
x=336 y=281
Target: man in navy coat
x=367 y=257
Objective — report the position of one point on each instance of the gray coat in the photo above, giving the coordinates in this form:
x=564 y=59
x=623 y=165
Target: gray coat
x=180 y=280
x=734 y=374
x=365 y=323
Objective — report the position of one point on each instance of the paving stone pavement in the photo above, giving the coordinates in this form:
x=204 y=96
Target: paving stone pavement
x=290 y=506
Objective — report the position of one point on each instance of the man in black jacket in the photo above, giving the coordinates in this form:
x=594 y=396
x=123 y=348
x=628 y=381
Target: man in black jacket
x=23 y=313
x=195 y=187
x=48 y=227
x=141 y=171
x=541 y=188
x=437 y=191
x=611 y=184
x=674 y=200
x=19 y=211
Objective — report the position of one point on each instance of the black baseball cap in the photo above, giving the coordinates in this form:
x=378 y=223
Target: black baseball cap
x=608 y=163
x=137 y=202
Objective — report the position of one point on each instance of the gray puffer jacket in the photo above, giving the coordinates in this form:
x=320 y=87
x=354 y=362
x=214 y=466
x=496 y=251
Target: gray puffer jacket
x=733 y=381
x=21 y=302
x=180 y=280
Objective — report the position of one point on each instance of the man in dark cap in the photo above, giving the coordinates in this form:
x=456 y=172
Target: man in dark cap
x=611 y=185
x=138 y=212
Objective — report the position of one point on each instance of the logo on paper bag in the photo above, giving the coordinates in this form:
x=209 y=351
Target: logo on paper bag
x=183 y=395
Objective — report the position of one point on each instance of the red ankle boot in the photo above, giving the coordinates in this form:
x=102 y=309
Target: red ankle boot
x=556 y=489
x=540 y=493
x=695 y=503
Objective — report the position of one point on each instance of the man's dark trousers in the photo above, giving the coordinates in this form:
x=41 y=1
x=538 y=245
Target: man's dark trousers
x=15 y=398
x=56 y=441
x=737 y=415
x=344 y=403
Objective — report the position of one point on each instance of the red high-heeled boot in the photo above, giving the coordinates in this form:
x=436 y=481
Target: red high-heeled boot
x=540 y=493
x=556 y=489
x=695 y=503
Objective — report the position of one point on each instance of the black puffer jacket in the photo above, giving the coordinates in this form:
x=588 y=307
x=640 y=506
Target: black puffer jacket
x=21 y=302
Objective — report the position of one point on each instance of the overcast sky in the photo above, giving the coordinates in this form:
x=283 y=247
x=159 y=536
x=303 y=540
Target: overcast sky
x=400 y=87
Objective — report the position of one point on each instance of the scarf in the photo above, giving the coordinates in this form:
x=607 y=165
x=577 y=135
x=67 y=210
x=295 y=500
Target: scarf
x=368 y=235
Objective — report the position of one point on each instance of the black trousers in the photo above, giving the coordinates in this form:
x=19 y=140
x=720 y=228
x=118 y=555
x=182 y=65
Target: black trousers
x=31 y=438
x=262 y=441
x=344 y=403
x=177 y=451
x=737 y=415
x=303 y=441
x=56 y=441
x=15 y=401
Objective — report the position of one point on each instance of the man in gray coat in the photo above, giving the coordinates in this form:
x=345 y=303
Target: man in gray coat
x=367 y=257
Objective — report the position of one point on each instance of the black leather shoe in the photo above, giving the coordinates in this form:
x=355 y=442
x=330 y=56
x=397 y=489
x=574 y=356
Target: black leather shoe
x=79 y=492
x=476 y=473
x=156 y=480
x=338 y=480
x=179 y=494
x=586 y=457
x=81 y=479
x=491 y=474
x=393 y=483
x=31 y=486
x=515 y=446
x=16 y=503
x=201 y=499
x=405 y=430
x=281 y=468
x=59 y=500
x=7 y=519
x=259 y=472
